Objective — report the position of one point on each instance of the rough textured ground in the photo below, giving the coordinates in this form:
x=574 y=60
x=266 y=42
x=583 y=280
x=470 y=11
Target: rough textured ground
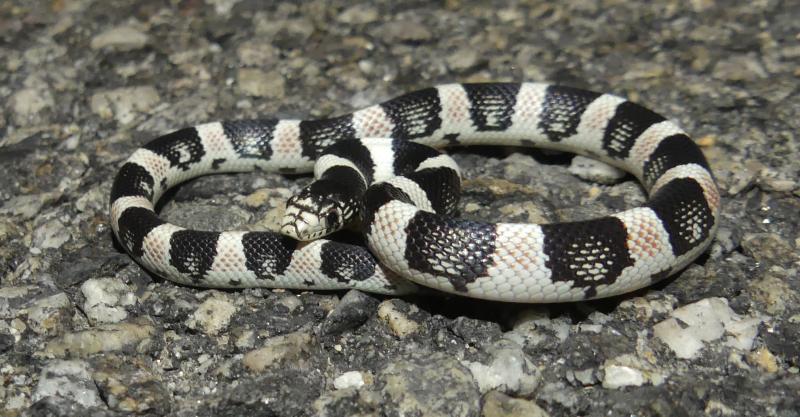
x=85 y=331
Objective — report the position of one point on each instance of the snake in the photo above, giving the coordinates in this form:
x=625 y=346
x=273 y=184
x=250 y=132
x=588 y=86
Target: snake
x=390 y=154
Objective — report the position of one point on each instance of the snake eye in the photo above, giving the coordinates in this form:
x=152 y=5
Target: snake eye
x=332 y=218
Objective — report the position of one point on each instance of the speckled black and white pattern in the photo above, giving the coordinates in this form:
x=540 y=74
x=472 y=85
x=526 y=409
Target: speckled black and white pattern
x=511 y=262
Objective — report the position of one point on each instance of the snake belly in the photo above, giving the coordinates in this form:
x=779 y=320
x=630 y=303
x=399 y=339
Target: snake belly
x=554 y=262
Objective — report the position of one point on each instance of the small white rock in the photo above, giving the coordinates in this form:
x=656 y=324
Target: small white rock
x=120 y=38
x=106 y=299
x=212 y=315
x=462 y=59
x=509 y=371
x=134 y=334
x=595 y=171
x=124 y=104
x=399 y=323
x=68 y=379
x=50 y=314
x=741 y=334
x=256 y=52
x=257 y=83
x=585 y=376
x=351 y=379
x=684 y=343
x=223 y=7
x=291 y=301
x=28 y=103
x=291 y=347
x=27 y=206
x=704 y=321
x=50 y=235
x=617 y=376
x=358 y=14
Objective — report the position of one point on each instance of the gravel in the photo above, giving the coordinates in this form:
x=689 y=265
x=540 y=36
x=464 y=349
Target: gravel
x=85 y=331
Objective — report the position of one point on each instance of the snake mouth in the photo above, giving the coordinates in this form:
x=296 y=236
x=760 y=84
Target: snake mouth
x=295 y=226
x=305 y=225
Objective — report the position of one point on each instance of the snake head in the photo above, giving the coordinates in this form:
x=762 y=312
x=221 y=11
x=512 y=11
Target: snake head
x=315 y=212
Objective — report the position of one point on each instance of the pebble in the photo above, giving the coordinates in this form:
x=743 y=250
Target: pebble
x=353 y=309
x=397 y=320
x=501 y=187
x=595 y=171
x=532 y=319
x=257 y=83
x=644 y=71
x=517 y=166
x=131 y=387
x=533 y=213
x=244 y=339
x=586 y=377
x=509 y=370
x=30 y=104
x=223 y=7
x=120 y=38
x=292 y=347
x=781 y=340
x=692 y=326
x=134 y=335
x=772 y=293
x=207 y=216
x=290 y=301
x=644 y=308
x=270 y=197
x=51 y=234
x=477 y=332
x=463 y=59
x=631 y=370
x=348 y=402
x=43 y=310
x=706 y=141
x=50 y=315
x=6 y=340
x=68 y=379
x=358 y=15
x=11 y=297
x=257 y=52
x=106 y=299
x=741 y=332
x=213 y=315
x=741 y=180
x=124 y=104
x=558 y=394
x=431 y=385
x=767 y=246
x=617 y=376
x=404 y=31
x=285 y=33
x=739 y=68
x=773 y=180
x=764 y=359
x=497 y=404
x=351 y=379
x=14 y=403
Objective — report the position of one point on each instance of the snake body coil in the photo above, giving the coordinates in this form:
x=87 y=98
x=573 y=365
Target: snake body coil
x=502 y=261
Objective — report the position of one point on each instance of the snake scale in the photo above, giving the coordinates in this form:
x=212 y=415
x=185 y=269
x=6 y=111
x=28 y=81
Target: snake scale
x=405 y=216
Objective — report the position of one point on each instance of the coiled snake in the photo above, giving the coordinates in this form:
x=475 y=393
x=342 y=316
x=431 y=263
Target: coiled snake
x=405 y=222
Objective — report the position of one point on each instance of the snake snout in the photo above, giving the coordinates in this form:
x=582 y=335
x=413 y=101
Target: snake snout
x=308 y=220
